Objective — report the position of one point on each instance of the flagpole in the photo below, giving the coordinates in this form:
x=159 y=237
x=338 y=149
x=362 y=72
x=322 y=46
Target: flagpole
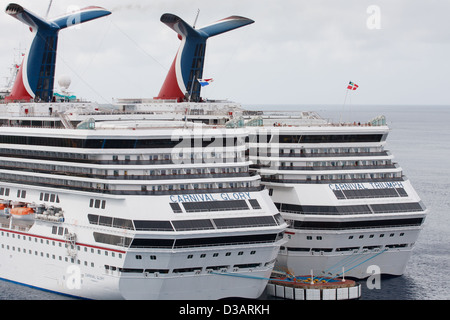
x=343 y=107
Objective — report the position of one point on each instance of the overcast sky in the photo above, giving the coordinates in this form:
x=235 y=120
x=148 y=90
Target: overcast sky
x=296 y=52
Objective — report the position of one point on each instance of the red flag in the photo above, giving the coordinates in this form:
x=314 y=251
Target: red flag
x=352 y=86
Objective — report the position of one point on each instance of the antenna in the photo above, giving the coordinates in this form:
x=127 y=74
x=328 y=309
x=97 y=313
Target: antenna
x=48 y=9
x=195 y=21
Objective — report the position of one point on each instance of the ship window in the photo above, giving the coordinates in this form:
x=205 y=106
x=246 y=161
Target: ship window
x=254 y=203
x=215 y=205
x=299 y=249
x=356 y=224
x=112 y=239
x=97 y=203
x=176 y=207
x=396 y=207
x=153 y=225
x=402 y=192
x=122 y=223
x=52 y=198
x=201 y=224
x=217 y=241
x=103 y=204
x=54 y=229
x=224 y=223
x=152 y=243
x=162 y=271
x=105 y=221
x=93 y=218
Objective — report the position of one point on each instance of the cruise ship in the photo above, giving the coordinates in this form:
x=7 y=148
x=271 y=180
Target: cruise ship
x=125 y=209
x=350 y=208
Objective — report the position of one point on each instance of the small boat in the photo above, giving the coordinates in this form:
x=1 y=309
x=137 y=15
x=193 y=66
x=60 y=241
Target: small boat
x=23 y=213
x=4 y=210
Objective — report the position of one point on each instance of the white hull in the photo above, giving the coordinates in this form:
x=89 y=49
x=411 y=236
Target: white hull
x=354 y=265
x=36 y=254
x=95 y=283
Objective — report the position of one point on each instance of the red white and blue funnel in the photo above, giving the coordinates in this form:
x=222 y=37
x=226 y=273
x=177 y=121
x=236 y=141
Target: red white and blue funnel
x=182 y=80
x=35 y=77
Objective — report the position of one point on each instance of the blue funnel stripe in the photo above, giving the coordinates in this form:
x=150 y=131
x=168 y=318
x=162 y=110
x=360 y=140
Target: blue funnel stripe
x=41 y=75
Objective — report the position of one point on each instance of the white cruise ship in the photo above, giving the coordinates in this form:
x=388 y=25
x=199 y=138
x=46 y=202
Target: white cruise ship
x=125 y=209
x=350 y=209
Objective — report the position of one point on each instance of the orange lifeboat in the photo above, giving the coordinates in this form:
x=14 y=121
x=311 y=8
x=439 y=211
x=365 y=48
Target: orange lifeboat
x=2 y=209
x=22 y=213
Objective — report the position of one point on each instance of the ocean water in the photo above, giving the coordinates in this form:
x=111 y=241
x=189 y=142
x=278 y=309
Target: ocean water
x=420 y=142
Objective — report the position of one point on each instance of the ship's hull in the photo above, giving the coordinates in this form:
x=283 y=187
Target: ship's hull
x=80 y=281
x=337 y=257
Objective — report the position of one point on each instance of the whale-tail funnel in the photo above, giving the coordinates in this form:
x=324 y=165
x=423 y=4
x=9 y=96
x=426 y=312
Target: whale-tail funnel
x=36 y=74
x=187 y=67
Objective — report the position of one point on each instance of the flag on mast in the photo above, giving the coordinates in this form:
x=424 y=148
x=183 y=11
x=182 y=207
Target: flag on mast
x=352 y=86
x=205 y=82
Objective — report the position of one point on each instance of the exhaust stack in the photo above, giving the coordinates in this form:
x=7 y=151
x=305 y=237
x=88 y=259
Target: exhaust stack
x=181 y=81
x=36 y=74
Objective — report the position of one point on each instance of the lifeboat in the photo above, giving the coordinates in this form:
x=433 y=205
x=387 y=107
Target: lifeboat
x=23 y=213
x=4 y=209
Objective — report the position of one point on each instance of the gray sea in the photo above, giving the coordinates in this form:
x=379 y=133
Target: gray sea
x=420 y=141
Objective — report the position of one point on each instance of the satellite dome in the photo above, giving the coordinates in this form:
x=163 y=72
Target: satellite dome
x=64 y=81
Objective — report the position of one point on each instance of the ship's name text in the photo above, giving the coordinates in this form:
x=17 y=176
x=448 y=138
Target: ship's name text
x=369 y=185
x=210 y=197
